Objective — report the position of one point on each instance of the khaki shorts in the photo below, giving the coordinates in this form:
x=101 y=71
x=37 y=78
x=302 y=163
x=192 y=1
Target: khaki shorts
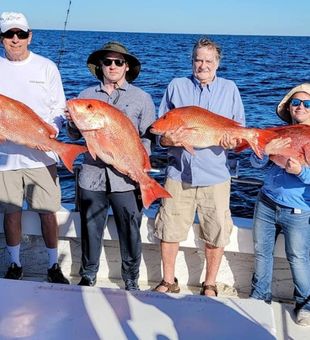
x=39 y=187
x=176 y=215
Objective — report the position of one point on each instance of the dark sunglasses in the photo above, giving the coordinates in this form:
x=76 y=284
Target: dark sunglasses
x=117 y=62
x=20 y=34
x=297 y=102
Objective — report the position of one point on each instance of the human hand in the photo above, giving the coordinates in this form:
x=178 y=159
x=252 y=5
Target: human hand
x=276 y=145
x=174 y=137
x=43 y=148
x=293 y=166
x=68 y=115
x=229 y=142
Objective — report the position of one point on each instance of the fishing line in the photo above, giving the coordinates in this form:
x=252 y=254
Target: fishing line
x=62 y=44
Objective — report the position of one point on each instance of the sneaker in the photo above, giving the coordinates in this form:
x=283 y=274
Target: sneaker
x=55 y=275
x=131 y=285
x=303 y=317
x=14 y=272
x=87 y=281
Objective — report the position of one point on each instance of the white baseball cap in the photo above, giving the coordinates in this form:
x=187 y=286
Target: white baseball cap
x=9 y=20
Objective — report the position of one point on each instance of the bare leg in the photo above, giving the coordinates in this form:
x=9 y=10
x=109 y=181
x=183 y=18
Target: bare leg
x=169 y=251
x=213 y=257
x=49 y=229
x=13 y=228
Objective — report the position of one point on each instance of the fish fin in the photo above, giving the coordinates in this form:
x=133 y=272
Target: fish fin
x=147 y=164
x=92 y=151
x=151 y=191
x=69 y=152
x=188 y=148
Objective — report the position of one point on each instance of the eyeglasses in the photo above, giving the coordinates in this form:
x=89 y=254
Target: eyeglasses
x=20 y=34
x=117 y=62
x=297 y=102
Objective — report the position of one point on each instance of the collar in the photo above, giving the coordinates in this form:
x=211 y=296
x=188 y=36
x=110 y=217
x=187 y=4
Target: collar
x=198 y=84
x=124 y=87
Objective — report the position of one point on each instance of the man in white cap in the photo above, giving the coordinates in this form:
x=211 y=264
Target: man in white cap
x=24 y=172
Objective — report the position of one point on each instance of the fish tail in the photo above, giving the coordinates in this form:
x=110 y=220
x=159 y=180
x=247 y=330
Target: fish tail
x=68 y=154
x=151 y=191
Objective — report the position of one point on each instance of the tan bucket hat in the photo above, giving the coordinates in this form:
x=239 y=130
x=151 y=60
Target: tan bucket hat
x=93 y=61
x=282 y=108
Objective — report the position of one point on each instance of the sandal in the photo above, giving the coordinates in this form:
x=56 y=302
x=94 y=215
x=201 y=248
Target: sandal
x=208 y=287
x=171 y=287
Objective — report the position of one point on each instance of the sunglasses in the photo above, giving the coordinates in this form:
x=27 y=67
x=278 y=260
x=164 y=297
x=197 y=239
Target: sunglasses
x=117 y=62
x=297 y=102
x=20 y=34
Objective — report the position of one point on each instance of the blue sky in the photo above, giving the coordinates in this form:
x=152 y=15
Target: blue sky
x=258 y=17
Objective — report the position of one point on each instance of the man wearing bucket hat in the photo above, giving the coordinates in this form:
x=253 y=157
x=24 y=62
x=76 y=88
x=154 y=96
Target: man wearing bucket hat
x=284 y=205
x=100 y=185
x=35 y=81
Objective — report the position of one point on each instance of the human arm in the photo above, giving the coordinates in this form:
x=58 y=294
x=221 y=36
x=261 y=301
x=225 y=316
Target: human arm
x=57 y=99
x=146 y=118
x=54 y=100
x=304 y=175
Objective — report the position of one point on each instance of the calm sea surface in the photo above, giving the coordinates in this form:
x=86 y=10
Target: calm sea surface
x=263 y=67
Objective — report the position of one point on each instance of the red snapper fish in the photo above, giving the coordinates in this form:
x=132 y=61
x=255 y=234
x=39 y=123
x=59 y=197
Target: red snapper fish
x=21 y=125
x=110 y=135
x=203 y=128
x=299 y=147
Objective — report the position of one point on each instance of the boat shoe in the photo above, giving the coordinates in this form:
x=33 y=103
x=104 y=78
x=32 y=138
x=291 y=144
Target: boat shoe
x=171 y=287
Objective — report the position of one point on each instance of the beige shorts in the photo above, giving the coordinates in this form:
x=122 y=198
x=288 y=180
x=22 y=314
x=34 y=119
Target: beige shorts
x=39 y=187
x=176 y=215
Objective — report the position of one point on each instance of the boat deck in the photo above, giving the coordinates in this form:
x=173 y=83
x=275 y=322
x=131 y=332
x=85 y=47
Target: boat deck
x=40 y=310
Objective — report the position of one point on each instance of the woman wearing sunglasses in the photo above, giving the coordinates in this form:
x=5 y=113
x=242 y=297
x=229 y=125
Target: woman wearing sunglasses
x=102 y=186
x=284 y=205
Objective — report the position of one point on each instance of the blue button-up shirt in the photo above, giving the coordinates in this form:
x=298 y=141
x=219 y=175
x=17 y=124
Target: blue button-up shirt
x=207 y=166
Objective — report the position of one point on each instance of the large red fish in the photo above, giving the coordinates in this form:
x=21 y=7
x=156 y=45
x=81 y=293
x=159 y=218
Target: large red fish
x=21 y=125
x=203 y=128
x=299 y=147
x=111 y=136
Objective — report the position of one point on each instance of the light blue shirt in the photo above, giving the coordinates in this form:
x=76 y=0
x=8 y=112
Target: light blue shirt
x=207 y=166
x=283 y=188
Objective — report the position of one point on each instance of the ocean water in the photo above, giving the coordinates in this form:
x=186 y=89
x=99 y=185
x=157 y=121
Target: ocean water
x=263 y=67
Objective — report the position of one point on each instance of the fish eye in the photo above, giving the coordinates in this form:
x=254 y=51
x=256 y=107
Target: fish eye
x=89 y=106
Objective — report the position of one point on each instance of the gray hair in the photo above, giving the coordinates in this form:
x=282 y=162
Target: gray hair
x=206 y=42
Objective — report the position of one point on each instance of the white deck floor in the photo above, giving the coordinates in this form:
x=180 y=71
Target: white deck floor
x=39 y=310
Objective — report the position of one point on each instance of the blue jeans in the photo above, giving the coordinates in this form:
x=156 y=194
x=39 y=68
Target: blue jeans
x=127 y=211
x=269 y=219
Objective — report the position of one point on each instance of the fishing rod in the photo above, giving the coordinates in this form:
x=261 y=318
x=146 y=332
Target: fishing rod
x=62 y=44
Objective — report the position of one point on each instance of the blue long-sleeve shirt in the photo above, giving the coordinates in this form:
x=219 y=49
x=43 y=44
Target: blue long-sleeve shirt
x=207 y=166
x=290 y=190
